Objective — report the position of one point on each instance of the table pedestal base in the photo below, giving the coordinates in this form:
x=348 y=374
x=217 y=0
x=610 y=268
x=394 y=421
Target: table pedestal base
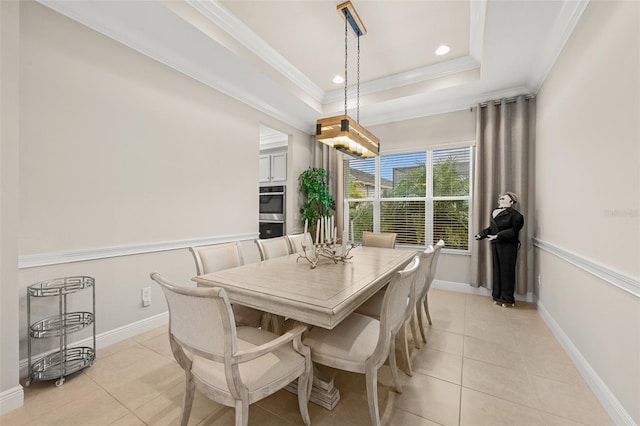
x=323 y=392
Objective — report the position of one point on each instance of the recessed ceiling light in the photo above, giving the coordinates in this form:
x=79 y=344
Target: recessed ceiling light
x=442 y=50
x=338 y=79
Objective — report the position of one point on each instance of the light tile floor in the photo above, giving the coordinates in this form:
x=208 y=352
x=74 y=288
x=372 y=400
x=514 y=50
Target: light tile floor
x=482 y=365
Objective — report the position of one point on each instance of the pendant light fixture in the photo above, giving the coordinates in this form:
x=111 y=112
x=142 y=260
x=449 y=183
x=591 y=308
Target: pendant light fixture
x=343 y=132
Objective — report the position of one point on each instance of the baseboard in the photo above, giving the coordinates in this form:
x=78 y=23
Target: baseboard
x=11 y=399
x=609 y=402
x=109 y=337
x=479 y=291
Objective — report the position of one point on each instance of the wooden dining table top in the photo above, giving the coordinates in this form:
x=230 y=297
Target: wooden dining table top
x=323 y=296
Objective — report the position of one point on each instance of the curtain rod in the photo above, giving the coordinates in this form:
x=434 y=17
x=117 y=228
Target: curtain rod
x=507 y=100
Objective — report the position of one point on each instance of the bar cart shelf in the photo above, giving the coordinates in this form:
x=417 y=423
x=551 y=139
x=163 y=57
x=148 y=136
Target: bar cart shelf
x=64 y=360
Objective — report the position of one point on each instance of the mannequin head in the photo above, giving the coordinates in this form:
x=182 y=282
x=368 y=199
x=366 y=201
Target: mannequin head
x=507 y=199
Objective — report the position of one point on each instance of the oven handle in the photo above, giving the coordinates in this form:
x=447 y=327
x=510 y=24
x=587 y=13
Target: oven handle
x=272 y=217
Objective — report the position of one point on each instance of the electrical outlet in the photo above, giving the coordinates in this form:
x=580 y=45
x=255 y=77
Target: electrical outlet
x=146 y=296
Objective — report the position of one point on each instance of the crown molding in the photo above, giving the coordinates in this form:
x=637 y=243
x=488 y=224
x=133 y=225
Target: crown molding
x=441 y=107
x=477 y=18
x=105 y=18
x=220 y=16
x=178 y=50
x=418 y=75
x=557 y=37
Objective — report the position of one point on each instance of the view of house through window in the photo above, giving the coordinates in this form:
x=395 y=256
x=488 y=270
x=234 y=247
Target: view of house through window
x=422 y=196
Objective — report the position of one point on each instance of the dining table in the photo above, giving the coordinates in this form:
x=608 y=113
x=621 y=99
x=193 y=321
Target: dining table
x=321 y=296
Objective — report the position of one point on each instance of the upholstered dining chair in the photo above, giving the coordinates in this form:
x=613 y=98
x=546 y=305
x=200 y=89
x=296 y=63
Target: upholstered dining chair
x=361 y=344
x=217 y=257
x=297 y=240
x=373 y=307
x=379 y=239
x=422 y=300
x=273 y=247
x=232 y=366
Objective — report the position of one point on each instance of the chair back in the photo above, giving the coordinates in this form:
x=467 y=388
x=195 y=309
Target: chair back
x=190 y=309
x=398 y=300
x=434 y=263
x=381 y=239
x=273 y=247
x=216 y=257
x=422 y=276
x=296 y=241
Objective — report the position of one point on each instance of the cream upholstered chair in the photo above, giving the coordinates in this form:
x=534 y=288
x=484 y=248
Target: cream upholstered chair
x=296 y=241
x=373 y=307
x=273 y=247
x=422 y=300
x=379 y=239
x=361 y=344
x=426 y=258
x=232 y=366
x=217 y=257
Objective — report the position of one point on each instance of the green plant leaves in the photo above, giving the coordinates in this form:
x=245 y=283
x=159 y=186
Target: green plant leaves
x=318 y=200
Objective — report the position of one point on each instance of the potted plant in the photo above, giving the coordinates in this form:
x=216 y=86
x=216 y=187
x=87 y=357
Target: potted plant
x=318 y=201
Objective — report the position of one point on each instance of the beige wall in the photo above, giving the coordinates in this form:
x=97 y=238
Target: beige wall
x=437 y=131
x=118 y=150
x=10 y=392
x=441 y=130
x=587 y=197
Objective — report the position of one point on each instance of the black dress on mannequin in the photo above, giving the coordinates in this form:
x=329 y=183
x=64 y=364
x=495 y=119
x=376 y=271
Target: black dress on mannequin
x=505 y=224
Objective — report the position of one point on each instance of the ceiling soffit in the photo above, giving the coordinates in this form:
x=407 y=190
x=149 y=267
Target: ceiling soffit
x=228 y=56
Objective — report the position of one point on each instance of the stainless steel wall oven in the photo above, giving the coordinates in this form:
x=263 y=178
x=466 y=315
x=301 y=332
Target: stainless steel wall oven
x=272 y=202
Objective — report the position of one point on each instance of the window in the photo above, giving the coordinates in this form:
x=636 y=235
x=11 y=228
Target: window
x=422 y=196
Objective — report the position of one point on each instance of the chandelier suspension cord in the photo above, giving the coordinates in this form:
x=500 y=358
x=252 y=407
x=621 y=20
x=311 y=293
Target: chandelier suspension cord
x=346 y=49
x=358 y=96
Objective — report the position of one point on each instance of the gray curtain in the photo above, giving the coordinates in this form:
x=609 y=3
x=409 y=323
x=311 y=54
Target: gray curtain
x=503 y=142
x=331 y=160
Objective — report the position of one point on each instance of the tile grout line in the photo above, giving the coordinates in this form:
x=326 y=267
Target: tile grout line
x=114 y=398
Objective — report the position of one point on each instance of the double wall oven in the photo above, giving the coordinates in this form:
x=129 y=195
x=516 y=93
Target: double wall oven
x=272 y=211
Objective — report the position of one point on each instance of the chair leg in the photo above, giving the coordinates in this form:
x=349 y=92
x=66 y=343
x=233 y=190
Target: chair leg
x=371 y=377
x=404 y=348
x=242 y=413
x=420 y=322
x=189 y=393
x=305 y=382
x=414 y=333
x=393 y=365
x=426 y=309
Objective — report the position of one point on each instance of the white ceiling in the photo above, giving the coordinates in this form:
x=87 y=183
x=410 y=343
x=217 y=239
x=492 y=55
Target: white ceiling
x=280 y=56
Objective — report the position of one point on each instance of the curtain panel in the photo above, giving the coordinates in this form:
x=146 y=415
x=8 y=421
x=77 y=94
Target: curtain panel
x=503 y=143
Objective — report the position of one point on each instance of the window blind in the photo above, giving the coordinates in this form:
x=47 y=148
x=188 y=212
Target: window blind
x=422 y=196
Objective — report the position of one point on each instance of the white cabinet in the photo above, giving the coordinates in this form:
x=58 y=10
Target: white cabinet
x=273 y=168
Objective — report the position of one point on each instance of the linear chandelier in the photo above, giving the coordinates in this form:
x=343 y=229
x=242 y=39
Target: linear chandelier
x=343 y=132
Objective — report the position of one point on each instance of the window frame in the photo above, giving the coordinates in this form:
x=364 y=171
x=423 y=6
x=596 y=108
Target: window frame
x=429 y=199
